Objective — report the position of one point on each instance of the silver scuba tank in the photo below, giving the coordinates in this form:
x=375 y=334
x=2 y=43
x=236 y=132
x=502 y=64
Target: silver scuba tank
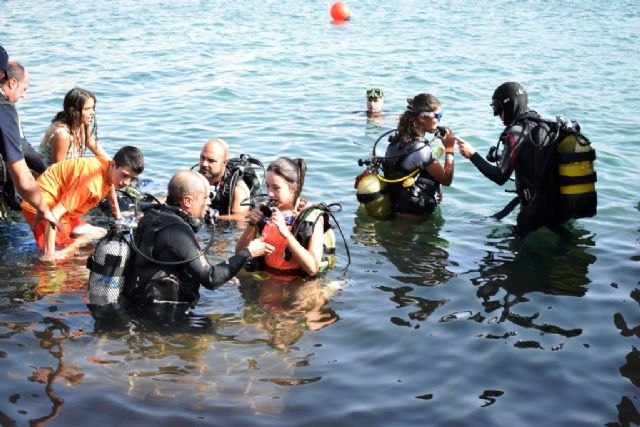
x=107 y=265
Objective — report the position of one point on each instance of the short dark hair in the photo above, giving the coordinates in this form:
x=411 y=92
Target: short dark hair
x=131 y=157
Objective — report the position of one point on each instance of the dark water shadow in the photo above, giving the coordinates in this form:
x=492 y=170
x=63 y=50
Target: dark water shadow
x=552 y=263
x=420 y=255
x=414 y=248
x=628 y=413
x=52 y=333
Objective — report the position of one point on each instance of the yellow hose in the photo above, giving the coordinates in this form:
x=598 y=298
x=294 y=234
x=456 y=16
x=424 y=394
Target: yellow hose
x=392 y=181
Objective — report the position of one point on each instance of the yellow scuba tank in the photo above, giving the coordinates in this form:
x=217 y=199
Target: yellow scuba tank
x=373 y=195
x=577 y=176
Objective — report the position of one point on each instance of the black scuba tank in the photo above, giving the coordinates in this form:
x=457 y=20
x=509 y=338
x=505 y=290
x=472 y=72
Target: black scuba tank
x=107 y=266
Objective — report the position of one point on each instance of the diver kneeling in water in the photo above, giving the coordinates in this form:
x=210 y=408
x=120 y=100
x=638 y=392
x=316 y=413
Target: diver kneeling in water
x=168 y=265
x=410 y=166
x=295 y=253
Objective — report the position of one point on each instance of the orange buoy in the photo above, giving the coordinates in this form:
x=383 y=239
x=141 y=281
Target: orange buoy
x=340 y=12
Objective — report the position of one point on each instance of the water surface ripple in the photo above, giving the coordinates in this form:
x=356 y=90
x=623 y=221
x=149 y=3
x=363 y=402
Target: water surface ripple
x=450 y=322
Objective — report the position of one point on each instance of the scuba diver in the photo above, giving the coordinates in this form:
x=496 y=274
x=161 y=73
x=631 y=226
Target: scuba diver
x=167 y=265
x=412 y=172
x=298 y=238
x=233 y=181
x=553 y=163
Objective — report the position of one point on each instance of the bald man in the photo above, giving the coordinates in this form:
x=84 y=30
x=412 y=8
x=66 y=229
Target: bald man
x=214 y=159
x=166 y=234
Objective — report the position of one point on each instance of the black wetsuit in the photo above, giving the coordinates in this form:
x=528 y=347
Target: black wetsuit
x=520 y=153
x=166 y=233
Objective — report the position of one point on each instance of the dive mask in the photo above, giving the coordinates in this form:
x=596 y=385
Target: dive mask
x=375 y=94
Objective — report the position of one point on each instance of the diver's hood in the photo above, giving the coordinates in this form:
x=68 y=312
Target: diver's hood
x=512 y=99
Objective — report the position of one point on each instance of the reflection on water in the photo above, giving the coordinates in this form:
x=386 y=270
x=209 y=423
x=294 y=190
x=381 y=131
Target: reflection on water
x=415 y=249
x=418 y=253
x=52 y=339
x=449 y=311
x=284 y=310
x=546 y=262
x=206 y=358
x=627 y=412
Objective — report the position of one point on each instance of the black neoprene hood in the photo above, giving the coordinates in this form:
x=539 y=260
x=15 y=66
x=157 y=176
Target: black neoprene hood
x=511 y=98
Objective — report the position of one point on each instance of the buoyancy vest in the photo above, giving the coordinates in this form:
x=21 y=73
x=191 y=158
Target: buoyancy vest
x=416 y=193
x=235 y=170
x=221 y=193
x=280 y=258
x=302 y=227
x=142 y=273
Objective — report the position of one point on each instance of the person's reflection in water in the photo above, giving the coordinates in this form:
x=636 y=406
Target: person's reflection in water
x=70 y=374
x=158 y=335
x=627 y=412
x=286 y=309
x=553 y=264
x=420 y=256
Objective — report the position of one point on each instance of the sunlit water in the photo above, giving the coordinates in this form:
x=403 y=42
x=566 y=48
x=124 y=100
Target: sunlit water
x=451 y=322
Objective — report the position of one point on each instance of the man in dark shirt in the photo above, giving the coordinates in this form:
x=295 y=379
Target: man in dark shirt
x=170 y=267
x=12 y=88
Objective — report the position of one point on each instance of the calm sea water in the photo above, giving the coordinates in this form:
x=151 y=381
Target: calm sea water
x=450 y=322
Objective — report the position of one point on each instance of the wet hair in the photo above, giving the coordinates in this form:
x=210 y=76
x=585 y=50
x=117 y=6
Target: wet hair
x=409 y=127
x=291 y=170
x=14 y=71
x=71 y=114
x=131 y=157
x=72 y=106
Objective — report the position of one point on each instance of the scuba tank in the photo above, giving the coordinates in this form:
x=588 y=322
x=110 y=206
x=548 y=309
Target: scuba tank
x=372 y=190
x=373 y=194
x=107 y=265
x=577 y=176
